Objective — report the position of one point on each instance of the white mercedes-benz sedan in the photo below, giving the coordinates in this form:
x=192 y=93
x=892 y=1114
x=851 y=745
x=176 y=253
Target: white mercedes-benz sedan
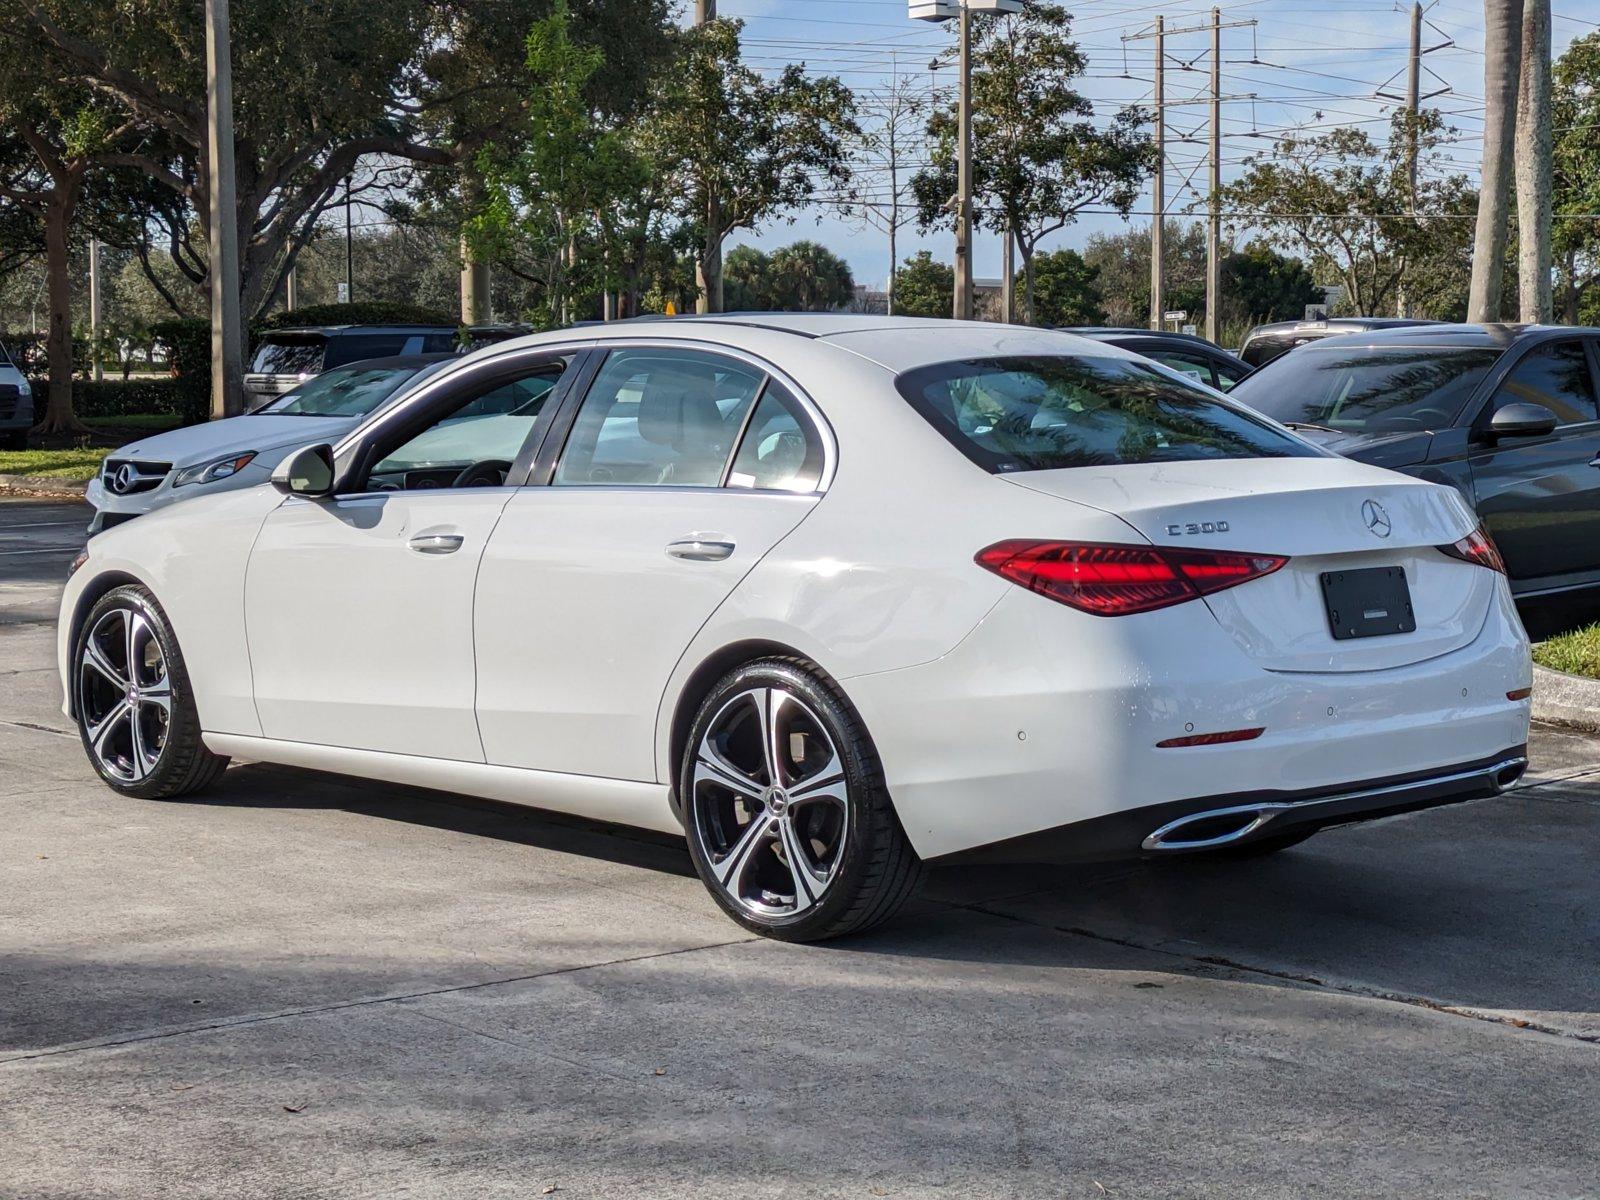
x=832 y=596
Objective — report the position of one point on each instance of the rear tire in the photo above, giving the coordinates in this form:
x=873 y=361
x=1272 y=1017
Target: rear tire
x=135 y=708
x=17 y=439
x=790 y=825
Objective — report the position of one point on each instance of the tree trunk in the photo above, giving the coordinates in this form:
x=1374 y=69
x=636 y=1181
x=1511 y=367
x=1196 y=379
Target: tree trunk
x=1027 y=278
x=1534 y=165
x=59 y=416
x=894 y=264
x=1502 y=63
x=708 y=271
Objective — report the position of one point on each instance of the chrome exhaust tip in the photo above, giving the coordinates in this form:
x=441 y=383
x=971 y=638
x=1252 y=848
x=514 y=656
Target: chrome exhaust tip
x=1216 y=827
x=1508 y=773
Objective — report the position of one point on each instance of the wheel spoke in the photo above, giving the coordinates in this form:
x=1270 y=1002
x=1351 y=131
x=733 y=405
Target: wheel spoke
x=95 y=658
x=768 y=702
x=158 y=695
x=130 y=638
x=730 y=868
x=100 y=733
x=808 y=884
x=827 y=778
x=711 y=767
x=140 y=765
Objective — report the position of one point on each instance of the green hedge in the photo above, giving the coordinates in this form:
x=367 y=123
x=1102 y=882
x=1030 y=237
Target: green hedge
x=133 y=397
x=373 y=312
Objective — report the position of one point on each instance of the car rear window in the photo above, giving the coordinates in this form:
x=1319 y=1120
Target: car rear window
x=300 y=356
x=1041 y=413
x=1361 y=390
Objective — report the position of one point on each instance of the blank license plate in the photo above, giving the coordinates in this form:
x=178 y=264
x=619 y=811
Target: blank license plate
x=1373 y=602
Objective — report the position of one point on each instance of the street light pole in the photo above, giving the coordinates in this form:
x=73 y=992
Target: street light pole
x=963 y=296
x=1214 y=198
x=1158 y=189
x=349 y=244
x=94 y=307
x=227 y=352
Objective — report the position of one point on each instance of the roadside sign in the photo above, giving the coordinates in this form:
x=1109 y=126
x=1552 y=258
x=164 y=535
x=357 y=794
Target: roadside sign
x=1316 y=312
x=1190 y=329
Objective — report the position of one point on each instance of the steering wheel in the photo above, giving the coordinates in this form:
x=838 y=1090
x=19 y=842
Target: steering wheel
x=491 y=472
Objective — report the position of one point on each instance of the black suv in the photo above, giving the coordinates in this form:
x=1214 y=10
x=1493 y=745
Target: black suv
x=1508 y=414
x=1184 y=352
x=286 y=358
x=1266 y=342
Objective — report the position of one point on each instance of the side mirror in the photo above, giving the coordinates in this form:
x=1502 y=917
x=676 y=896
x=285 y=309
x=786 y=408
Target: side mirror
x=1522 y=420
x=306 y=472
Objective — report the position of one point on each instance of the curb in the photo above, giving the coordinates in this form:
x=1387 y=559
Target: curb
x=42 y=486
x=1569 y=700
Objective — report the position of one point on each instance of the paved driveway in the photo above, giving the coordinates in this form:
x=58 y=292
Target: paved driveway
x=303 y=986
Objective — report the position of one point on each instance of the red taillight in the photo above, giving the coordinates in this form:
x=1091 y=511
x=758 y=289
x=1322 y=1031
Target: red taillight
x=1478 y=549
x=1113 y=580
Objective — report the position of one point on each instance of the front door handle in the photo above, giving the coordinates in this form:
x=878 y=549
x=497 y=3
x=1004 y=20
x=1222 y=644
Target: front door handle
x=436 y=543
x=700 y=549
x=1595 y=461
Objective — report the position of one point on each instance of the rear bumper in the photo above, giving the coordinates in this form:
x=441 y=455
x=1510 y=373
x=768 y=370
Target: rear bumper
x=1044 y=718
x=1218 y=822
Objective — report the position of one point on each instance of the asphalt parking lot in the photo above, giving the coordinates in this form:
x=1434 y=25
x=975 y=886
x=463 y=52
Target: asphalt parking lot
x=299 y=985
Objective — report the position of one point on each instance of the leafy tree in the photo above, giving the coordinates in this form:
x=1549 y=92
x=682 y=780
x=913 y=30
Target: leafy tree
x=1123 y=262
x=1342 y=201
x=1575 y=234
x=749 y=148
x=1038 y=158
x=1065 y=290
x=924 y=286
x=1259 y=284
x=804 y=277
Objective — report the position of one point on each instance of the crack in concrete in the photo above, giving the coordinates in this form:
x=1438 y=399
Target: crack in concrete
x=244 y=1019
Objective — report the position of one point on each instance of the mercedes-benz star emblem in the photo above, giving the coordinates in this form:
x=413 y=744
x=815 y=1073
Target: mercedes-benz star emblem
x=1376 y=519
x=123 y=479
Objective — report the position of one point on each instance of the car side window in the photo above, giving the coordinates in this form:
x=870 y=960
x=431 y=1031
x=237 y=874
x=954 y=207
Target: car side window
x=1555 y=375
x=658 y=418
x=475 y=442
x=781 y=449
x=1192 y=365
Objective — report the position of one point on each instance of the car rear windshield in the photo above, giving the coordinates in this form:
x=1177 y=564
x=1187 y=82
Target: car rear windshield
x=1046 y=412
x=1360 y=390
x=342 y=392
x=303 y=356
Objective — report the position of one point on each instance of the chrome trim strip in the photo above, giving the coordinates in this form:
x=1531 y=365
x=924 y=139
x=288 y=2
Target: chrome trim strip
x=1269 y=811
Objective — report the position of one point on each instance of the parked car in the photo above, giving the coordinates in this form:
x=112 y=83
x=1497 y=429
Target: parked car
x=286 y=358
x=16 y=404
x=1266 y=342
x=834 y=597
x=241 y=451
x=1506 y=414
x=1183 y=352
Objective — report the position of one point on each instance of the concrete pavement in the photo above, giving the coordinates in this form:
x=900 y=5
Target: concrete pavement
x=305 y=986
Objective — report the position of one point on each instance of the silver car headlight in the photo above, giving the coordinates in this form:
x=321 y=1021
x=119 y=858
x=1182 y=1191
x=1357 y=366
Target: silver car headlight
x=212 y=471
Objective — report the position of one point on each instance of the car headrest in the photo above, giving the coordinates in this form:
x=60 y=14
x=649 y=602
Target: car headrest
x=678 y=408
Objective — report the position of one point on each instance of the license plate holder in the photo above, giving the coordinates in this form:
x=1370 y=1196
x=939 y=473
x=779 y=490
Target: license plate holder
x=1371 y=602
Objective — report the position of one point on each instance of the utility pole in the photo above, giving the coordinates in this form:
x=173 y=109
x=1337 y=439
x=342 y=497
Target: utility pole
x=1214 y=199
x=708 y=268
x=963 y=296
x=222 y=219
x=1412 y=100
x=291 y=290
x=1534 y=167
x=1008 y=279
x=94 y=306
x=1158 y=188
x=349 y=244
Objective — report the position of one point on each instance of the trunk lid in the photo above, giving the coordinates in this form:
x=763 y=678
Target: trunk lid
x=1325 y=515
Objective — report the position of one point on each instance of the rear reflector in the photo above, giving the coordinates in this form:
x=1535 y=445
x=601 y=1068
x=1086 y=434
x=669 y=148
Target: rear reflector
x=1477 y=548
x=1211 y=739
x=1520 y=694
x=1114 y=580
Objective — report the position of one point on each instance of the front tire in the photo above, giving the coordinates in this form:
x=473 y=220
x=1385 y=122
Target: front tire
x=789 y=822
x=136 y=712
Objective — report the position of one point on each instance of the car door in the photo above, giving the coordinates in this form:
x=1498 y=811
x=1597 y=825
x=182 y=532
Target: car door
x=681 y=468
x=358 y=606
x=1540 y=496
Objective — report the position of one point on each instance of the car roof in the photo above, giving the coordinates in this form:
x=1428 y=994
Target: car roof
x=1334 y=325
x=1117 y=333
x=1442 y=336
x=897 y=343
x=399 y=361
x=330 y=330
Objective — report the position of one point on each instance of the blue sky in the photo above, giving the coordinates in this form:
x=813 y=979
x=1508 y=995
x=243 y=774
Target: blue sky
x=1303 y=57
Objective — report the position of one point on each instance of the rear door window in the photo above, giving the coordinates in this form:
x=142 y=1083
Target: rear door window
x=781 y=449
x=1555 y=375
x=353 y=347
x=1047 y=412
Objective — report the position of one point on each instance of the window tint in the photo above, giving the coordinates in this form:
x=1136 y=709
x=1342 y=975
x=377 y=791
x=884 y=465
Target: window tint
x=1365 y=391
x=1042 y=413
x=486 y=432
x=353 y=347
x=302 y=357
x=1228 y=375
x=781 y=449
x=664 y=418
x=1556 y=376
x=342 y=392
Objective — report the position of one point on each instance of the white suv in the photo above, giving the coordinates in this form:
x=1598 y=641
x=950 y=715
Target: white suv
x=16 y=405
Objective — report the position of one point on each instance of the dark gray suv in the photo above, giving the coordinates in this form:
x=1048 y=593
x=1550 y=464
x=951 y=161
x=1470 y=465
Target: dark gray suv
x=1508 y=414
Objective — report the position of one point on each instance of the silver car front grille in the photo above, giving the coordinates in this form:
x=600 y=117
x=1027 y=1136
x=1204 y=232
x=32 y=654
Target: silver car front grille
x=128 y=476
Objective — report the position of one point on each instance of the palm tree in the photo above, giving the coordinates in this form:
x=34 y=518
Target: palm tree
x=1534 y=171
x=1502 y=66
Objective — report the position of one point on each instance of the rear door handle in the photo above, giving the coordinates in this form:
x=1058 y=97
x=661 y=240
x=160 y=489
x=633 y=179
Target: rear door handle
x=700 y=549
x=436 y=543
